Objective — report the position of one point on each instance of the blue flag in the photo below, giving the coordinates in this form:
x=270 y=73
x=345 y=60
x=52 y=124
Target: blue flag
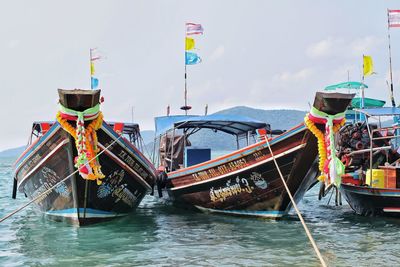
x=192 y=58
x=95 y=83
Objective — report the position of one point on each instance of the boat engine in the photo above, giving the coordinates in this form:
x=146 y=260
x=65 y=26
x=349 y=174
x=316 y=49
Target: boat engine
x=353 y=143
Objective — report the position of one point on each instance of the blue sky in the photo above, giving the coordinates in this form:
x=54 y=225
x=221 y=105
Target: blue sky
x=262 y=54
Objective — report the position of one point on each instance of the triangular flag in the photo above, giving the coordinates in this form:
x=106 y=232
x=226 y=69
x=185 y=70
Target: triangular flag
x=368 y=66
x=189 y=43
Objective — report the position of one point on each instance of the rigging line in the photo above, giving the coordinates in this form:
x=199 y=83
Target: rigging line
x=297 y=210
x=54 y=186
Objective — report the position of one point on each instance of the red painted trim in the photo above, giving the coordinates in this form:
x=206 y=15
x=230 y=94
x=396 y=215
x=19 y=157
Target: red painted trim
x=321 y=120
x=74 y=118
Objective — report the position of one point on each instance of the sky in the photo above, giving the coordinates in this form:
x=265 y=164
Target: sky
x=261 y=54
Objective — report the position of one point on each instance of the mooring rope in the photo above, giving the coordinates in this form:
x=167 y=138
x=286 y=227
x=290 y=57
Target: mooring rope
x=54 y=186
x=295 y=207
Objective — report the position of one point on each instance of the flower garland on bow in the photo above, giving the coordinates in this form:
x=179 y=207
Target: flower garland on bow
x=85 y=139
x=329 y=164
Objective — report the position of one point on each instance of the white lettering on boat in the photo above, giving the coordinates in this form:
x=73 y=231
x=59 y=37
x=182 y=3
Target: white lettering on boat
x=229 y=190
x=122 y=193
x=220 y=170
x=133 y=164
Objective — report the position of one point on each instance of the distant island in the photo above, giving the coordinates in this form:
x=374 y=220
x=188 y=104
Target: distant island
x=282 y=119
x=12 y=152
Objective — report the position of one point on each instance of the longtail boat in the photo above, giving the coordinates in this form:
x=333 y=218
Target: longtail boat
x=108 y=175
x=246 y=181
x=369 y=150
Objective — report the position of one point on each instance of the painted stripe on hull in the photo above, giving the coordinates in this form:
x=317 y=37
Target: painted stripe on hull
x=121 y=141
x=235 y=155
x=60 y=145
x=264 y=214
x=90 y=213
x=391 y=209
x=35 y=147
x=241 y=170
x=124 y=165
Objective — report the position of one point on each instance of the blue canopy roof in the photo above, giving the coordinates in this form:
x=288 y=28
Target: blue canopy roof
x=384 y=111
x=231 y=124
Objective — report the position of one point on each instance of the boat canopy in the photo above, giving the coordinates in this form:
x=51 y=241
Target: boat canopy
x=377 y=112
x=368 y=102
x=231 y=124
x=346 y=85
x=127 y=128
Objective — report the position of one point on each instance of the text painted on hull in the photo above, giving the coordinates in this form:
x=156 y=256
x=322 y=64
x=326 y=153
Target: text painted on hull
x=240 y=185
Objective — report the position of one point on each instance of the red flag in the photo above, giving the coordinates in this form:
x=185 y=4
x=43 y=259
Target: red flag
x=393 y=18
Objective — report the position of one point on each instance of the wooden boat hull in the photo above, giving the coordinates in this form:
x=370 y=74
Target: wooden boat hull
x=129 y=176
x=367 y=201
x=247 y=182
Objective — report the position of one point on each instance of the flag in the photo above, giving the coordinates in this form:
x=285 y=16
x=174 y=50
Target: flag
x=192 y=58
x=393 y=18
x=91 y=68
x=94 y=54
x=94 y=83
x=368 y=66
x=193 y=28
x=189 y=43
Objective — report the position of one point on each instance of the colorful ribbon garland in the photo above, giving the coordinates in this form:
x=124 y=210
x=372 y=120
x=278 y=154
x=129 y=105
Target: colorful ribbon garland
x=330 y=165
x=85 y=139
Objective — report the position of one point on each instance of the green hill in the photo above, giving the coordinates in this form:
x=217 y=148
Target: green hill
x=278 y=119
x=12 y=153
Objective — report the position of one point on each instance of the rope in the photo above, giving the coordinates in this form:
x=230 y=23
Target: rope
x=297 y=210
x=54 y=186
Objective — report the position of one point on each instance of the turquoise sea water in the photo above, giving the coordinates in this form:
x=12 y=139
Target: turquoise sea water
x=161 y=235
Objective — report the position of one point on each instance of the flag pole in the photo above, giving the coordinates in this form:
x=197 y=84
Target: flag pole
x=90 y=69
x=185 y=86
x=185 y=107
x=390 y=64
x=362 y=90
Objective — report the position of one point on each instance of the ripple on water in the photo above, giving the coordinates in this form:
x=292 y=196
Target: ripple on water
x=161 y=235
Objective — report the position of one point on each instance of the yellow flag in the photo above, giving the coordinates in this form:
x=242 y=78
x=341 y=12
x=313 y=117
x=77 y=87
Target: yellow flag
x=91 y=68
x=368 y=66
x=189 y=43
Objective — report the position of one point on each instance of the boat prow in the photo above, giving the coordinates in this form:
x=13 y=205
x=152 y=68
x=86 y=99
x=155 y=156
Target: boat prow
x=107 y=181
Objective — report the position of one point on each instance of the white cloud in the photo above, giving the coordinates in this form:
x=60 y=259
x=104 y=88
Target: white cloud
x=217 y=53
x=322 y=48
x=291 y=77
x=365 y=45
x=13 y=43
x=343 y=48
